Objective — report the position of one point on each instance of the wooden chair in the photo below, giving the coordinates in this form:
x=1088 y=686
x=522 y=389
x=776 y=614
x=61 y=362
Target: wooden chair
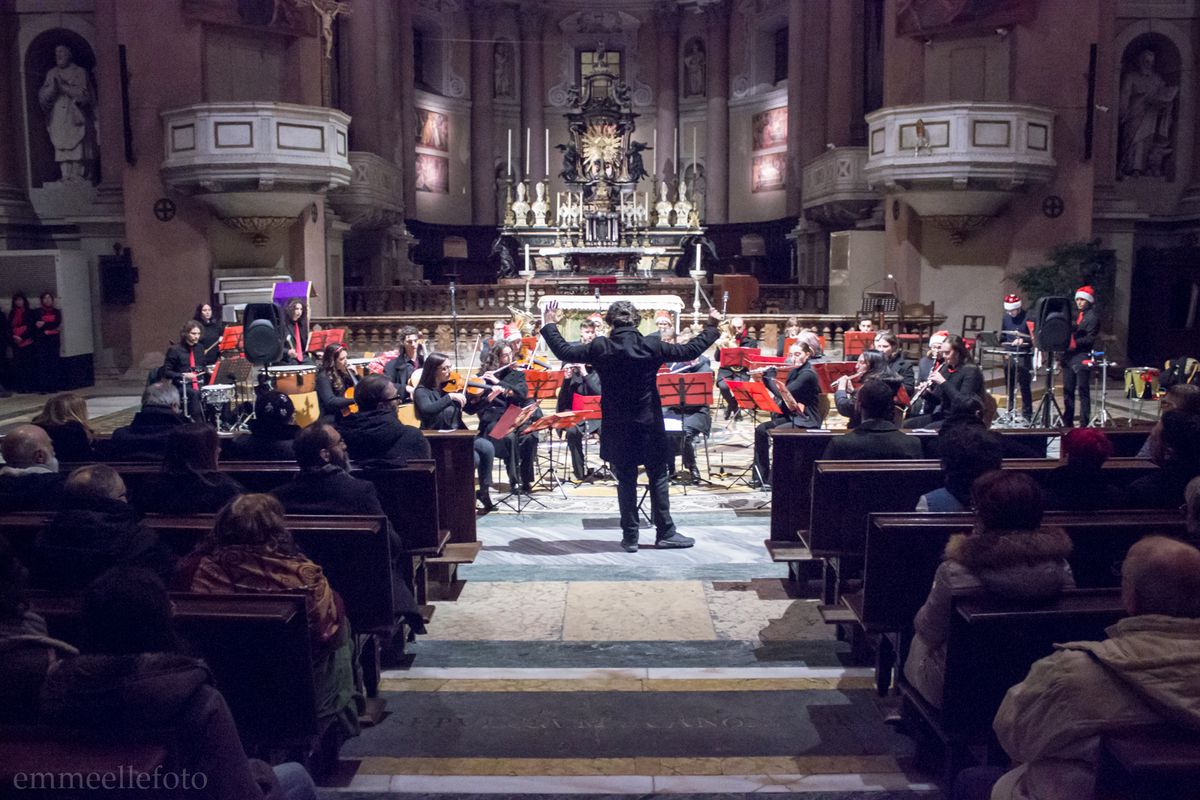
x=916 y=324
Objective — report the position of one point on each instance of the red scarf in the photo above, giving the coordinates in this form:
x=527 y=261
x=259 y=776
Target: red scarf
x=1078 y=322
x=192 y=364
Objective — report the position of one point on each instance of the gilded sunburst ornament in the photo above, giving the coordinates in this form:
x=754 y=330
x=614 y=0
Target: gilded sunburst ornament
x=601 y=144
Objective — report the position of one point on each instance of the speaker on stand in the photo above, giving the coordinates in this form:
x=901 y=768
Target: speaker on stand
x=1052 y=333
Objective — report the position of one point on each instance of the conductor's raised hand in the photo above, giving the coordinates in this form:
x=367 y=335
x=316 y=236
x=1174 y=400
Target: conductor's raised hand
x=715 y=316
x=551 y=314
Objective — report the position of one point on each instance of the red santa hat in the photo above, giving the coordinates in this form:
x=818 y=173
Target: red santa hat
x=1086 y=293
x=1012 y=302
x=937 y=337
x=662 y=315
x=511 y=331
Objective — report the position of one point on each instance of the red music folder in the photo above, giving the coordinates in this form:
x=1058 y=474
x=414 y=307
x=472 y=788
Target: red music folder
x=685 y=388
x=752 y=394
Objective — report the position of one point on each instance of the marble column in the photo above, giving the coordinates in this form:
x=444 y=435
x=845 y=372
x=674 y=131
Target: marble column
x=716 y=151
x=406 y=147
x=666 y=22
x=531 y=18
x=843 y=27
x=795 y=88
x=483 y=82
x=13 y=204
x=366 y=134
x=814 y=52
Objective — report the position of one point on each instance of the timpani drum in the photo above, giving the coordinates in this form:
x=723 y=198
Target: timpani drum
x=1141 y=383
x=295 y=379
x=359 y=365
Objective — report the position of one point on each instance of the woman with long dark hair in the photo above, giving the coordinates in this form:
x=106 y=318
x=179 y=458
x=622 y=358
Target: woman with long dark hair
x=955 y=379
x=333 y=380
x=211 y=331
x=191 y=481
x=65 y=418
x=871 y=364
x=295 y=319
x=20 y=329
x=440 y=410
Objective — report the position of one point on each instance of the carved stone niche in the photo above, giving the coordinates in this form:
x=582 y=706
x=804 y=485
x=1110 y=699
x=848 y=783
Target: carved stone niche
x=836 y=193
x=375 y=196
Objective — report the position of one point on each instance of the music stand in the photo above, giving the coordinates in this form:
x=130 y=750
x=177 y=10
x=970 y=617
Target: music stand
x=756 y=396
x=683 y=390
x=549 y=422
x=512 y=418
x=544 y=384
x=231 y=339
x=588 y=407
x=319 y=340
x=736 y=357
x=876 y=304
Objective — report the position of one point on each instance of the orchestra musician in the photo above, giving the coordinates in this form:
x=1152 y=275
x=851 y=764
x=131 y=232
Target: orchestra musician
x=735 y=334
x=696 y=421
x=887 y=343
x=791 y=330
x=1085 y=330
x=410 y=359
x=580 y=379
x=955 y=377
x=925 y=365
x=183 y=365
x=870 y=364
x=662 y=324
x=507 y=387
x=490 y=342
x=295 y=317
x=1015 y=335
x=211 y=331
x=805 y=389
x=627 y=363
x=440 y=409
x=333 y=379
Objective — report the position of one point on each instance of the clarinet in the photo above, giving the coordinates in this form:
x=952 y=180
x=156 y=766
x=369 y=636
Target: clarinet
x=926 y=385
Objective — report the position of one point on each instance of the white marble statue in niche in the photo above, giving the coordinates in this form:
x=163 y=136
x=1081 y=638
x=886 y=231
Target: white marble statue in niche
x=502 y=66
x=694 y=69
x=662 y=209
x=683 y=207
x=540 y=206
x=67 y=98
x=1146 y=116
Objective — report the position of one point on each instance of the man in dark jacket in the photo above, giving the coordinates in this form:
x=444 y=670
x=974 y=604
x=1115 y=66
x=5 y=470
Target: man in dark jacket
x=374 y=436
x=401 y=368
x=632 y=414
x=145 y=439
x=1085 y=330
x=184 y=366
x=325 y=486
x=877 y=436
x=29 y=479
x=97 y=529
x=805 y=388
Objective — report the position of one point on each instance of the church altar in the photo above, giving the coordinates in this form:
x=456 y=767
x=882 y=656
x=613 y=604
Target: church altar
x=577 y=308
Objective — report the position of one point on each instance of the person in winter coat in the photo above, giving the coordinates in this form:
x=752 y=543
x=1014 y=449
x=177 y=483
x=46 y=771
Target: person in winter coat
x=374 y=436
x=1008 y=555
x=1145 y=673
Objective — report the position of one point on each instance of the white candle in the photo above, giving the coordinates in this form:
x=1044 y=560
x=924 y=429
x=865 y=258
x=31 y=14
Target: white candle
x=547 y=165
x=527 y=257
x=527 y=165
x=510 y=152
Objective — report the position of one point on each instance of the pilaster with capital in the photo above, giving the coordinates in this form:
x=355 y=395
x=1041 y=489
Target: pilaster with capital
x=406 y=147
x=532 y=19
x=666 y=24
x=795 y=87
x=716 y=161
x=483 y=78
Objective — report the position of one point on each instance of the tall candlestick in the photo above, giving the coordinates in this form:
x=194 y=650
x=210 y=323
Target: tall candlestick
x=527 y=165
x=547 y=152
x=510 y=152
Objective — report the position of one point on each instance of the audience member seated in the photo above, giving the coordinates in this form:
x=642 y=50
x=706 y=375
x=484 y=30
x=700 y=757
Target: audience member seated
x=65 y=418
x=251 y=550
x=190 y=481
x=968 y=452
x=1191 y=507
x=27 y=651
x=374 y=436
x=131 y=677
x=1080 y=484
x=871 y=364
x=325 y=486
x=1008 y=555
x=1145 y=673
x=1180 y=397
x=1175 y=447
x=271 y=431
x=876 y=435
x=29 y=479
x=95 y=531
x=145 y=438
x=967 y=411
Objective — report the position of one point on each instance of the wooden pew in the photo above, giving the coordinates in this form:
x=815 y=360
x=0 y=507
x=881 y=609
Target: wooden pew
x=978 y=671
x=1159 y=762
x=846 y=492
x=258 y=649
x=903 y=551
x=795 y=451
x=453 y=454
x=50 y=750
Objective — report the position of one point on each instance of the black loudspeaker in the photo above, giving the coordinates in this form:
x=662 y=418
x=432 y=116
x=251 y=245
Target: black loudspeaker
x=262 y=332
x=1052 y=323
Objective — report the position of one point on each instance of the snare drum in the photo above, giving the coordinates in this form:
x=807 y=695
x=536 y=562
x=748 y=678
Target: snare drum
x=297 y=379
x=217 y=394
x=1141 y=383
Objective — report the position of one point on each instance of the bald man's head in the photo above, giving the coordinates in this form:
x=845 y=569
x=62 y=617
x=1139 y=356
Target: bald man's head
x=28 y=446
x=1161 y=576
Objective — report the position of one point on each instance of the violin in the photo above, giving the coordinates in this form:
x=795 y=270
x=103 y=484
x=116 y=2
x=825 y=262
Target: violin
x=473 y=386
x=533 y=364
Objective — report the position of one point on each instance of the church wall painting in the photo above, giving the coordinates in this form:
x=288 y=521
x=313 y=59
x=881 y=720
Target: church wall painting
x=767 y=172
x=433 y=130
x=433 y=174
x=770 y=128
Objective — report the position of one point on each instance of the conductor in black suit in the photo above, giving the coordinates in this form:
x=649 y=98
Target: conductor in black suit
x=627 y=363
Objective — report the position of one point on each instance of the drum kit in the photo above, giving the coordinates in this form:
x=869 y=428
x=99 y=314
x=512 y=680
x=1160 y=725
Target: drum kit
x=299 y=382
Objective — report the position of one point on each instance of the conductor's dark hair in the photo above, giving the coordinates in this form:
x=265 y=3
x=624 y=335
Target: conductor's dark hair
x=622 y=314
x=875 y=400
x=370 y=391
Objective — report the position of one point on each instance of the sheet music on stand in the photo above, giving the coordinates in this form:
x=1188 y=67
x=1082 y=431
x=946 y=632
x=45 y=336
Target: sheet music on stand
x=752 y=394
x=879 y=302
x=684 y=389
x=544 y=384
x=319 y=340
